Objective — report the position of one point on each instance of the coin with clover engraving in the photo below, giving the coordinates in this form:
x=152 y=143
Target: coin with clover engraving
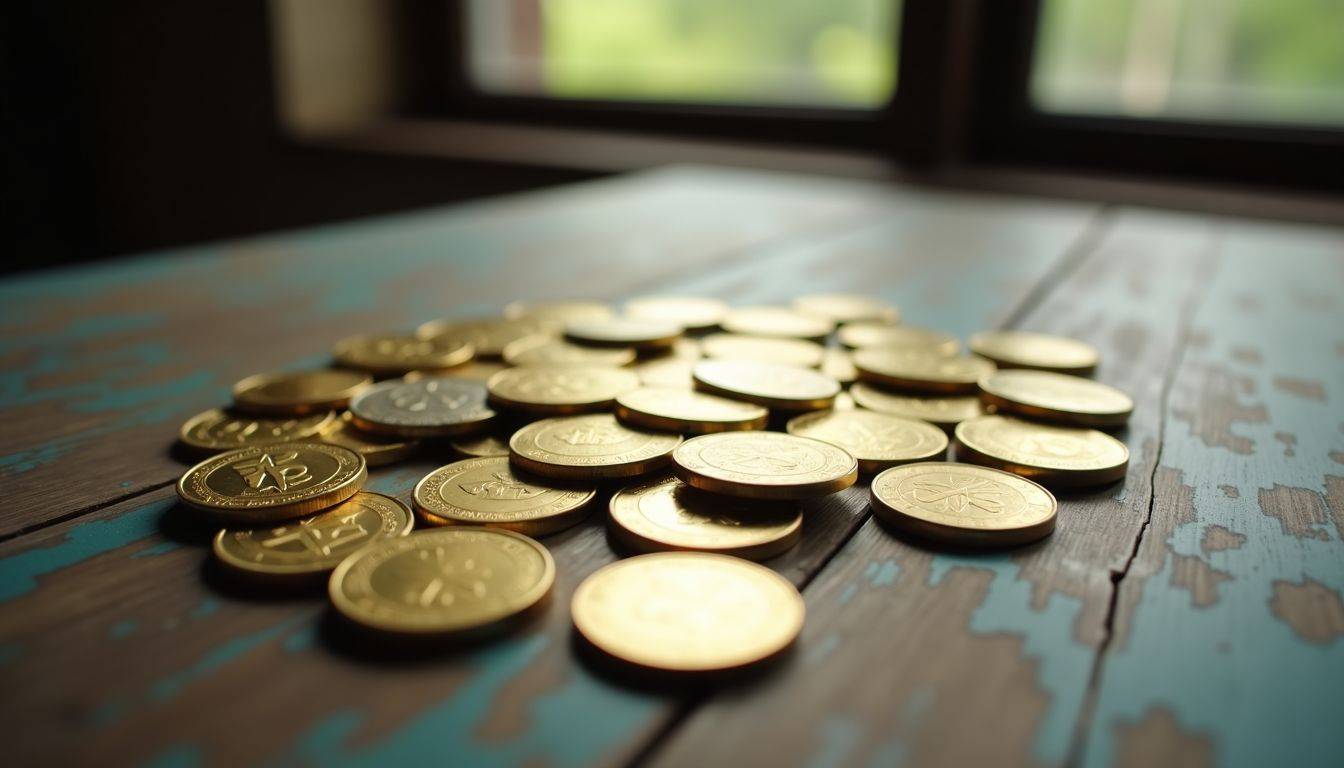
x=945 y=412
x=877 y=440
x=265 y=483
x=490 y=492
x=220 y=430
x=1041 y=351
x=1064 y=457
x=313 y=545
x=663 y=513
x=552 y=390
x=919 y=370
x=387 y=354
x=489 y=336
x=864 y=335
x=561 y=310
x=781 y=387
x=847 y=307
x=690 y=312
x=624 y=332
x=299 y=392
x=963 y=505
x=776 y=321
x=431 y=407
x=1056 y=397
x=547 y=350
x=377 y=450
x=592 y=447
x=765 y=349
x=764 y=465
x=455 y=581
x=683 y=410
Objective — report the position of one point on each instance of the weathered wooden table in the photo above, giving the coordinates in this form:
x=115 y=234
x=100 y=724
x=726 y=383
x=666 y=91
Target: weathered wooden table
x=1192 y=613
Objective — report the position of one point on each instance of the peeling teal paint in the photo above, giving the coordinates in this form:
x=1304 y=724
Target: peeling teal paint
x=168 y=687
x=882 y=574
x=205 y=609
x=10 y=653
x=176 y=756
x=840 y=736
x=123 y=629
x=162 y=548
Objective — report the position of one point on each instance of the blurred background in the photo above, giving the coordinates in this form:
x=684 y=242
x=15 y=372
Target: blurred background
x=143 y=125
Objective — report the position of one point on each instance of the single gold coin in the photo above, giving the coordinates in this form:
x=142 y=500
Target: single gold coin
x=298 y=393
x=669 y=371
x=945 y=412
x=281 y=481
x=776 y=321
x=643 y=335
x=377 y=450
x=1064 y=457
x=549 y=390
x=963 y=505
x=548 y=350
x=765 y=349
x=484 y=445
x=663 y=513
x=764 y=465
x=918 y=370
x=683 y=410
x=491 y=493
x=688 y=612
x=865 y=335
x=563 y=311
x=432 y=407
x=476 y=370
x=221 y=430
x=316 y=544
x=1056 y=397
x=1021 y=349
x=386 y=354
x=877 y=440
x=690 y=312
x=455 y=581
x=847 y=307
x=837 y=364
x=781 y=387
x=593 y=447
x=489 y=337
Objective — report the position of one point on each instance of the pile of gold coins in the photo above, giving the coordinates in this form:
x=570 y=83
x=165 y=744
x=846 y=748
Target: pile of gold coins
x=701 y=427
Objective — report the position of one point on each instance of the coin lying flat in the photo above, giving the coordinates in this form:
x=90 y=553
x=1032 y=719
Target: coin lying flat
x=432 y=407
x=377 y=450
x=963 y=505
x=264 y=483
x=550 y=390
x=1056 y=397
x=317 y=544
x=547 y=350
x=1064 y=457
x=837 y=364
x=765 y=349
x=476 y=370
x=664 y=513
x=847 y=307
x=624 y=332
x=690 y=312
x=917 y=370
x=1021 y=349
x=945 y=412
x=396 y=354
x=454 y=581
x=489 y=337
x=489 y=492
x=782 y=387
x=482 y=446
x=682 y=410
x=594 y=447
x=298 y=393
x=220 y=430
x=563 y=311
x=776 y=321
x=876 y=440
x=672 y=372
x=764 y=465
x=688 y=612
x=864 y=335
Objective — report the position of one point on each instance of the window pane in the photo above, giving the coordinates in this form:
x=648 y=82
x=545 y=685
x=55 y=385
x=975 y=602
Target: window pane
x=1243 y=60
x=834 y=53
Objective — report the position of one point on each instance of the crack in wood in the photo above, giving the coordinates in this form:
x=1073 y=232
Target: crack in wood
x=84 y=511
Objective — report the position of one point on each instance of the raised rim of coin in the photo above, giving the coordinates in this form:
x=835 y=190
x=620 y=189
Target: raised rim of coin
x=623 y=332
x=1041 y=351
x=876 y=440
x=432 y=407
x=847 y=307
x=198 y=435
x=682 y=410
x=975 y=510
x=767 y=320
x=866 y=334
x=528 y=448
x=295 y=393
x=782 y=387
x=396 y=353
x=1056 y=397
x=732 y=464
x=919 y=370
x=765 y=349
x=194 y=489
x=377 y=450
x=549 y=350
x=1071 y=457
x=551 y=390
x=944 y=411
x=503 y=499
x=690 y=312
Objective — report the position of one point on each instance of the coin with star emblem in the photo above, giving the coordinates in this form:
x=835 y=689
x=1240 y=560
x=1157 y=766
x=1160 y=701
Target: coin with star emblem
x=1064 y=457
x=876 y=440
x=431 y=407
x=281 y=481
x=553 y=390
x=592 y=447
x=764 y=465
x=963 y=505
x=491 y=493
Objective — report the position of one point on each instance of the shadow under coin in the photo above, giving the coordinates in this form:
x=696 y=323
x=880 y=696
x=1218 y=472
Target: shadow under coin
x=660 y=682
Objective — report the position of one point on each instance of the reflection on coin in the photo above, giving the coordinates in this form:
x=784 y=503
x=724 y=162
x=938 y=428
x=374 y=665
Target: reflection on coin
x=838 y=365
x=876 y=440
x=483 y=446
x=1056 y=397
x=765 y=349
x=559 y=389
x=690 y=312
x=843 y=402
x=682 y=410
x=445 y=581
x=1063 y=457
x=488 y=337
x=313 y=545
x=563 y=311
x=847 y=307
x=764 y=465
x=963 y=505
x=776 y=321
x=782 y=387
x=672 y=372
x=863 y=335
x=298 y=393
x=220 y=430
x=917 y=370
x=664 y=513
x=547 y=350
x=476 y=370
x=688 y=612
x=624 y=332
x=395 y=354
x=488 y=492
x=946 y=412
x=264 y=483
x=1021 y=349
x=594 y=447
x=432 y=407
x=377 y=450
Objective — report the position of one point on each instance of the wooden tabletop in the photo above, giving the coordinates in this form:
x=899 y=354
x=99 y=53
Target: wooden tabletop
x=1190 y=614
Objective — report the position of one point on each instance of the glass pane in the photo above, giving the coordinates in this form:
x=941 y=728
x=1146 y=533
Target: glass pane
x=833 y=53
x=1242 y=60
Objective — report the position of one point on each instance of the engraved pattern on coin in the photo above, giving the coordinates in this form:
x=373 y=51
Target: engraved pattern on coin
x=764 y=465
x=427 y=406
x=1041 y=445
x=273 y=481
x=219 y=430
x=597 y=440
x=314 y=544
x=963 y=496
x=487 y=491
x=665 y=513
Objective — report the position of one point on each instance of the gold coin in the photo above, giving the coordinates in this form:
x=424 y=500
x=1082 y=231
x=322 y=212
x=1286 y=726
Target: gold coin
x=664 y=513
x=690 y=312
x=396 y=354
x=843 y=402
x=594 y=447
x=765 y=349
x=559 y=311
x=624 y=332
x=1021 y=349
x=847 y=307
x=688 y=349
x=433 y=407
x=837 y=364
x=263 y=483
x=550 y=390
x=682 y=410
x=782 y=387
x=674 y=372
x=877 y=440
x=918 y=370
x=776 y=321
x=456 y=581
x=476 y=370
x=489 y=492
x=220 y=430
x=688 y=612
x=764 y=465
x=946 y=412
x=864 y=335
x=1064 y=457
x=547 y=350
x=963 y=505
x=482 y=446
x=1056 y=397
x=317 y=544
x=488 y=337
x=298 y=393
x=377 y=450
